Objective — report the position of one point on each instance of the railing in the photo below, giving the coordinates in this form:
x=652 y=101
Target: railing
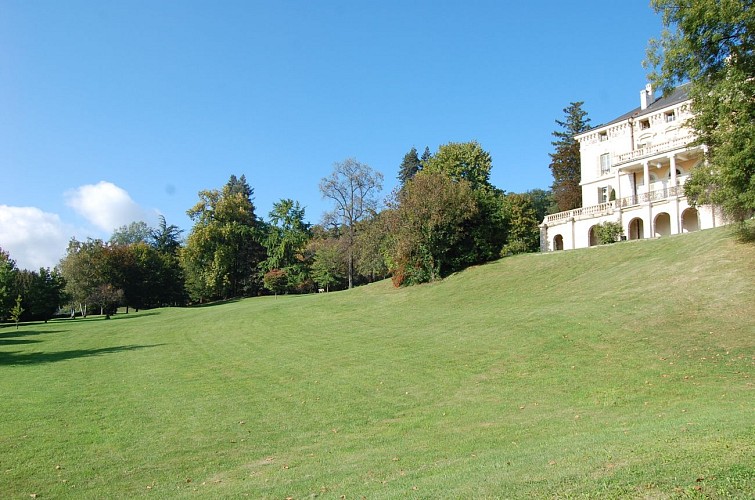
x=655 y=195
x=577 y=213
x=662 y=147
x=608 y=207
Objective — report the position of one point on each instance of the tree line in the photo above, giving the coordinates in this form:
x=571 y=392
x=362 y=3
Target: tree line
x=444 y=216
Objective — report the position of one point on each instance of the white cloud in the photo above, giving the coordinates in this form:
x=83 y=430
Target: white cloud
x=106 y=205
x=33 y=238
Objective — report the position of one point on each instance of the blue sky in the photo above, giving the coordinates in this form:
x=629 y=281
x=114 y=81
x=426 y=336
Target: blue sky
x=112 y=111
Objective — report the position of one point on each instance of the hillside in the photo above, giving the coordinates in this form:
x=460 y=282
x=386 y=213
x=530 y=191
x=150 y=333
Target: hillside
x=621 y=371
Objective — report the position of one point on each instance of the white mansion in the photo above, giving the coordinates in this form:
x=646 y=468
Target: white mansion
x=633 y=172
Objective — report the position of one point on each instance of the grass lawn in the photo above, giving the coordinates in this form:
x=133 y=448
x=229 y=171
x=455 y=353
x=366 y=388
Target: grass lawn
x=621 y=371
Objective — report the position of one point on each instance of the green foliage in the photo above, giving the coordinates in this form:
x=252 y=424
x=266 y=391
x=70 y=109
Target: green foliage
x=107 y=298
x=353 y=187
x=136 y=232
x=165 y=238
x=543 y=202
x=42 y=292
x=565 y=161
x=83 y=268
x=16 y=311
x=223 y=250
x=7 y=278
x=287 y=238
x=609 y=232
x=462 y=161
x=409 y=167
x=711 y=43
x=426 y=223
x=276 y=281
x=369 y=248
x=523 y=233
x=329 y=263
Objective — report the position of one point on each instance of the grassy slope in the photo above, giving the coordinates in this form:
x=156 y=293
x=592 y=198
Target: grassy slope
x=621 y=371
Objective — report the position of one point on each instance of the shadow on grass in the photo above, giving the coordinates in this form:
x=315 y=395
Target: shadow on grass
x=25 y=332
x=130 y=315
x=17 y=341
x=14 y=358
x=216 y=303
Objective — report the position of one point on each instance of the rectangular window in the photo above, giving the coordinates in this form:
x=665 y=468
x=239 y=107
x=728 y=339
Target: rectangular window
x=605 y=163
x=644 y=124
x=603 y=194
x=670 y=116
x=603 y=136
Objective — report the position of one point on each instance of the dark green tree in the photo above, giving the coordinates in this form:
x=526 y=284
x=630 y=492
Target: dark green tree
x=711 y=44
x=523 y=232
x=426 y=155
x=223 y=250
x=565 y=161
x=287 y=238
x=165 y=238
x=409 y=167
x=7 y=280
x=42 y=292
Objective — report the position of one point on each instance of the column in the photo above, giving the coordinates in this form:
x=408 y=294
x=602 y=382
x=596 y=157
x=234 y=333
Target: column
x=618 y=189
x=674 y=200
x=648 y=228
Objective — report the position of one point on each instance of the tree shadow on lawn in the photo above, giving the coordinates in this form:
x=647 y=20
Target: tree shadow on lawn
x=130 y=315
x=25 y=332
x=17 y=341
x=215 y=303
x=14 y=358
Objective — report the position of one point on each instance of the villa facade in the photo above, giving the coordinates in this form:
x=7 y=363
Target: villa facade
x=633 y=171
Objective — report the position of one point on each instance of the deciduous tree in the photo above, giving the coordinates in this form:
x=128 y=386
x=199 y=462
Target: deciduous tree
x=462 y=161
x=353 y=187
x=224 y=248
x=711 y=43
x=426 y=222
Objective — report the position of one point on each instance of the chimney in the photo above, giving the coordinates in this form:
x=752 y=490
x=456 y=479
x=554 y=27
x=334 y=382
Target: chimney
x=646 y=96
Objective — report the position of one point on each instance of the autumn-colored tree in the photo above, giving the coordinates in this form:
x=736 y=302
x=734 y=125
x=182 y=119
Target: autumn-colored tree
x=426 y=221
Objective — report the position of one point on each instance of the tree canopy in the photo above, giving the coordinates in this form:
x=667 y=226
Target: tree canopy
x=711 y=44
x=353 y=187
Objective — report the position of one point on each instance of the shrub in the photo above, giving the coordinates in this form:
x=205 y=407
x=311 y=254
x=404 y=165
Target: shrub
x=608 y=232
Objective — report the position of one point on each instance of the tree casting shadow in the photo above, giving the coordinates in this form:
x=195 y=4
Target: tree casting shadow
x=14 y=358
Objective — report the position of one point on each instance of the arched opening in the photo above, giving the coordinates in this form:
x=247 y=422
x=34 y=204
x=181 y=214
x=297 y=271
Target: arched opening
x=662 y=225
x=690 y=220
x=636 y=229
x=558 y=242
x=592 y=237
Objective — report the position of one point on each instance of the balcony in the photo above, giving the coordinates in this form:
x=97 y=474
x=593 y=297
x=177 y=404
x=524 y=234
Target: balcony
x=581 y=213
x=608 y=208
x=654 y=149
x=655 y=195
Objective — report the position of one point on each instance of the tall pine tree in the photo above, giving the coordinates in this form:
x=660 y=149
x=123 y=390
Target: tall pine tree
x=409 y=166
x=565 y=161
